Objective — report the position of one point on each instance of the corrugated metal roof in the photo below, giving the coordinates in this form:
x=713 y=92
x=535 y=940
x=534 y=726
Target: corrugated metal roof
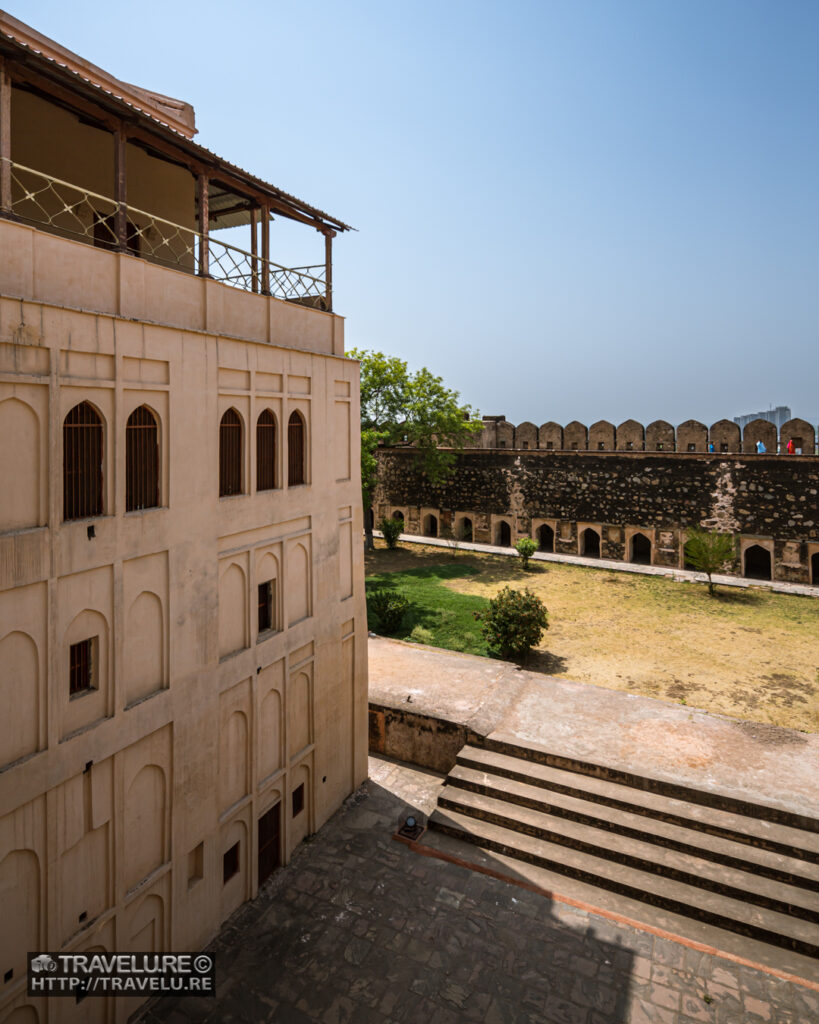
x=184 y=144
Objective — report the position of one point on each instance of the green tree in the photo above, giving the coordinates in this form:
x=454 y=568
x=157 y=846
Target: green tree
x=709 y=552
x=402 y=409
x=525 y=548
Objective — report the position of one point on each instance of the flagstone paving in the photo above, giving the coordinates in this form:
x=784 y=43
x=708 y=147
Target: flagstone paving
x=359 y=928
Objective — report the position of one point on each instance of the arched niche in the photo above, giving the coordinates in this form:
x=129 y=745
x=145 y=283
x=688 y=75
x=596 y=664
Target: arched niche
x=144 y=647
x=298 y=583
x=20 y=900
x=232 y=610
x=19 y=697
x=234 y=758
x=144 y=828
x=270 y=729
x=299 y=723
x=19 y=465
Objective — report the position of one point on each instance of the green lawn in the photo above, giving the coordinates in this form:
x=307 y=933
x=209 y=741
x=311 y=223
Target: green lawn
x=437 y=615
x=748 y=653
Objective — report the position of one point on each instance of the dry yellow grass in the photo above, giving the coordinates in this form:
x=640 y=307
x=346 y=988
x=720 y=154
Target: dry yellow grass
x=747 y=653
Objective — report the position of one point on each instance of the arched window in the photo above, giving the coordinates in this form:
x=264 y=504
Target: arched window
x=230 y=454
x=295 y=450
x=82 y=462
x=266 y=451
x=141 y=460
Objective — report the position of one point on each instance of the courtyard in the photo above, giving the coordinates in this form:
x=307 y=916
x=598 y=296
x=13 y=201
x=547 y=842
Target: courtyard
x=750 y=653
x=359 y=928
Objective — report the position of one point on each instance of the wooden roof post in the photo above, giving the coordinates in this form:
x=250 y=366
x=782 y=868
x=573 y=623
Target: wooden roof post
x=265 y=250
x=120 y=189
x=5 y=140
x=254 y=250
x=328 y=269
x=204 y=225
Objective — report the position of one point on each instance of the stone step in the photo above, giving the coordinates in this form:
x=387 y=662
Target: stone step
x=616 y=821
x=689 y=869
x=550 y=773
x=708 y=797
x=712 y=908
x=558 y=889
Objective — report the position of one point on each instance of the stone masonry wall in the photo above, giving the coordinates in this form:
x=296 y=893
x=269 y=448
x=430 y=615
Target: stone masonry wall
x=769 y=500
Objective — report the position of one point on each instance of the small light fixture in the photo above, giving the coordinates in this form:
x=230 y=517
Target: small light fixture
x=410 y=829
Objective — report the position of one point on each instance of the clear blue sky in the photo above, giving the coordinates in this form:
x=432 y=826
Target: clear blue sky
x=567 y=209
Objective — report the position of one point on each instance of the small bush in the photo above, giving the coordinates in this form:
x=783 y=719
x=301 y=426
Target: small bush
x=388 y=607
x=391 y=530
x=525 y=547
x=514 y=622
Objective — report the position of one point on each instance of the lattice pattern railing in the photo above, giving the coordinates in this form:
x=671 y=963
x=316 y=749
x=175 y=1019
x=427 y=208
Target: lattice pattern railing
x=48 y=202
x=79 y=213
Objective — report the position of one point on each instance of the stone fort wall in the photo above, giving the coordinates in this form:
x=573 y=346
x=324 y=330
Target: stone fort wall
x=659 y=436
x=631 y=505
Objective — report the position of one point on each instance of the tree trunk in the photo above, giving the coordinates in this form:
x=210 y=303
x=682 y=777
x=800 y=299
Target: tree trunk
x=369 y=543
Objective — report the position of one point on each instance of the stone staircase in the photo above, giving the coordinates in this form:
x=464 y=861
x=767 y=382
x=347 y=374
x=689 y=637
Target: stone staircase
x=665 y=854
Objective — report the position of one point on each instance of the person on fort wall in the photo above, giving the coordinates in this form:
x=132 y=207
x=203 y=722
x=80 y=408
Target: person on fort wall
x=790 y=446
x=760 y=448
x=710 y=446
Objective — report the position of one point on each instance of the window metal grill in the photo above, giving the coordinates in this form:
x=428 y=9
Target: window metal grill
x=230 y=454
x=81 y=667
x=82 y=463
x=266 y=451
x=295 y=450
x=141 y=460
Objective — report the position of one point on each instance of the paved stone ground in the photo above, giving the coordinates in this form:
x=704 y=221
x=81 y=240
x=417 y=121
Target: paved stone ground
x=360 y=929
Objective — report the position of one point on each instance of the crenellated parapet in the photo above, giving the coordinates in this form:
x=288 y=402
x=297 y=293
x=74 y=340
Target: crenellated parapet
x=723 y=437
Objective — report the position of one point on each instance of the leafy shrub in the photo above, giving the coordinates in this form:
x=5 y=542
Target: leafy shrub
x=389 y=607
x=525 y=547
x=514 y=622
x=709 y=552
x=391 y=530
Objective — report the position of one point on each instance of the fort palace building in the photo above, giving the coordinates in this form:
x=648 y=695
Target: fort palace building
x=182 y=619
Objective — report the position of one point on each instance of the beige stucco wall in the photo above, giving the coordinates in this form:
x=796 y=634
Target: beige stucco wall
x=198 y=725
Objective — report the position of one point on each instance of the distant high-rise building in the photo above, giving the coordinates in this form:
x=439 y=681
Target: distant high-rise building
x=780 y=415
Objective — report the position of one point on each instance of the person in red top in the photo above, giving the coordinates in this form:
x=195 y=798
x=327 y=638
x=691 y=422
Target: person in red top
x=790 y=446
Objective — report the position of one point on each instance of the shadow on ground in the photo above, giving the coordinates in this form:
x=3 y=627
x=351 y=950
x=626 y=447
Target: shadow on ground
x=359 y=928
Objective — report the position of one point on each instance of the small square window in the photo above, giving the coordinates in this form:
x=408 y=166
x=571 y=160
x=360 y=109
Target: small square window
x=550 y=445
x=230 y=863
x=82 y=667
x=691 y=446
x=660 y=446
x=525 y=444
x=298 y=800
x=723 y=447
x=501 y=444
x=629 y=446
x=574 y=446
x=267 y=606
x=196 y=862
x=601 y=446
